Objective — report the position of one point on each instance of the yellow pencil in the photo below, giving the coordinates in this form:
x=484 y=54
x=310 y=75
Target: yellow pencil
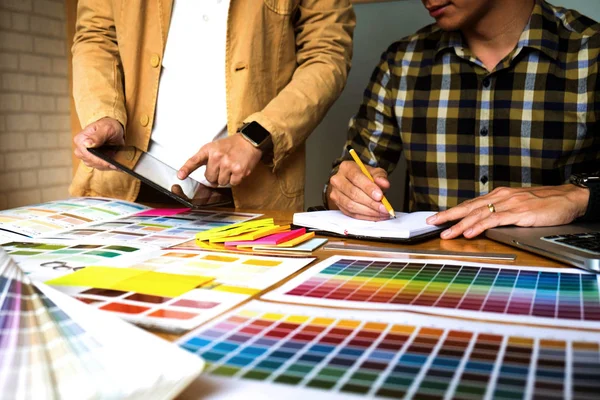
x=364 y=170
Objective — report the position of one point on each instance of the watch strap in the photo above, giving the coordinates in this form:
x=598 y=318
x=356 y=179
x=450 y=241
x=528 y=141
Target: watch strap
x=593 y=208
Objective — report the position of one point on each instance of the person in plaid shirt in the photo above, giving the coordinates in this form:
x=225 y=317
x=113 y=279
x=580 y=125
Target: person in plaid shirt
x=494 y=106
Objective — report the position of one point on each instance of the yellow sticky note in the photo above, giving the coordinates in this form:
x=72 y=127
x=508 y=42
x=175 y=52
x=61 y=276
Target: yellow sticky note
x=98 y=277
x=240 y=226
x=132 y=280
x=297 y=241
x=257 y=234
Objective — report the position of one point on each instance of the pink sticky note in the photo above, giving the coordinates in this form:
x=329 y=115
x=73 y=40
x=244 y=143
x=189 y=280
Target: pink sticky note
x=161 y=212
x=273 y=239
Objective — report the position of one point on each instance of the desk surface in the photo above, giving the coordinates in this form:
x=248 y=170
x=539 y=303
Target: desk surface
x=478 y=245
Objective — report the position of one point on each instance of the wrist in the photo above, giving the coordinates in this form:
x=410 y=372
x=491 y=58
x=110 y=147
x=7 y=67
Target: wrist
x=589 y=185
x=580 y=196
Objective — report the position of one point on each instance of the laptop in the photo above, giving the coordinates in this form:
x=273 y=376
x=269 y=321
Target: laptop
x=577 y=244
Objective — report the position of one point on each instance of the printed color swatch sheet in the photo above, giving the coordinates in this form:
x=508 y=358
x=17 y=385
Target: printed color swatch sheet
x=393 y=355
x=563 y=297
x=49 y=218
x=176 y=289
x=157 y=230
x=48 y=259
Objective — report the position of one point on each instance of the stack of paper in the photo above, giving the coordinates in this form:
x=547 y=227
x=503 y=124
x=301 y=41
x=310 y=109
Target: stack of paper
x=261 y=234
x=52 y=346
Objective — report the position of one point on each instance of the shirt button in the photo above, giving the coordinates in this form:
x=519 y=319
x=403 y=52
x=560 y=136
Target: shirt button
x=486 y=82
x=144 y=120
x=205 y=17
x=484 y=132
x=484 y=179
x=155 y=60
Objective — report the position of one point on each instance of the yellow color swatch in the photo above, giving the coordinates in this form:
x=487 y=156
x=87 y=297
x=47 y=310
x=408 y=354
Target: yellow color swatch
x=236 y=289
x=132 y=280
x=262 y=263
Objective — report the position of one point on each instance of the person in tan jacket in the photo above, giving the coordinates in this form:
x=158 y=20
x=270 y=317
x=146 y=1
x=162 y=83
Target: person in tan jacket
x=181 y=79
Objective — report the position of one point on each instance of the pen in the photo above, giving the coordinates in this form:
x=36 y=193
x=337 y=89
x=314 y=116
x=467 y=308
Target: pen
x=364 y=170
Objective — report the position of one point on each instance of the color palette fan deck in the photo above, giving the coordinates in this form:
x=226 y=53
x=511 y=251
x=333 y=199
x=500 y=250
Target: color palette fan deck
x=392 y=355
x=544 y=295
x=52 y=346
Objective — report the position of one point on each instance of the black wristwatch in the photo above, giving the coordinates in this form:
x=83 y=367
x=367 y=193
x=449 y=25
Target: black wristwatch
x=256 y=135
x=592 y=182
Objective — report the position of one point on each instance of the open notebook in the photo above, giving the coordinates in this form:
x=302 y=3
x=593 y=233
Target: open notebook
x=405 y=227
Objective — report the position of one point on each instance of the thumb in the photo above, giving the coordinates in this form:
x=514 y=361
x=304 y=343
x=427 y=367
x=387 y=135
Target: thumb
x=380 y=177
x=88 y=136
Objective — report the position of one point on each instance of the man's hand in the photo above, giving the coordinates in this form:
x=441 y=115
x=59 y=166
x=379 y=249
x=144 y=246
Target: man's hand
x=104 y=131
x=355 y=195
x=228 y=161
x=538 y=206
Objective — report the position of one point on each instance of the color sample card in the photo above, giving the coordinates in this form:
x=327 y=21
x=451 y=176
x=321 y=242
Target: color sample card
x=228 y=280
x=391 y=355
x=56 y=216
x=518 y=294
x=48 y=259
x=160 y=231
x=235 y=271
x=132 y=280
x=52 y=346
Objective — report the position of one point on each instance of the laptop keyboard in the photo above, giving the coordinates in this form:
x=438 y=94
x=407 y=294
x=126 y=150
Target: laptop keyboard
x=587 y=241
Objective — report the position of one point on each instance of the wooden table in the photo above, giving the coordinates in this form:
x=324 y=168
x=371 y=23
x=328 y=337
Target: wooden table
x=478 y=245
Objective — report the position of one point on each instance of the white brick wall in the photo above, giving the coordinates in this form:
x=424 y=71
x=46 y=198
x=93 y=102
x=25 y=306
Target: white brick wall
x=35 y=138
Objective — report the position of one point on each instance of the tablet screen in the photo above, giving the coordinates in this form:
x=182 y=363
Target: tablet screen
x=160 y=176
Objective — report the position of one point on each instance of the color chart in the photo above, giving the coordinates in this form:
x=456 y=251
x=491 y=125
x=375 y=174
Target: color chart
x=53 y=347
x=48 y=259
x=552 y=296
x=55 y=216
x=393 y=355
x=156 y=230
x=232 y=279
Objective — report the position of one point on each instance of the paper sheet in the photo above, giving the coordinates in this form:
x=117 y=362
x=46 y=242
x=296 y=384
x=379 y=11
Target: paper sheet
x=552 y=296
x=235 y=278
x=295 y=352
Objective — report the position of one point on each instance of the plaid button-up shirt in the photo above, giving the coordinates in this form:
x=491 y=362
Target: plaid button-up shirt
x=464 y=130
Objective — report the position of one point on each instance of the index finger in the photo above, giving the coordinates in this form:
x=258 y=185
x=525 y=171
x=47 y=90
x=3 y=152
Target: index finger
x=197 y=160
x=457 y=212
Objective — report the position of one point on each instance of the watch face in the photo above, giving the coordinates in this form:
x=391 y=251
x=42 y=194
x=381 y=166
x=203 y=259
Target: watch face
x=255 y=132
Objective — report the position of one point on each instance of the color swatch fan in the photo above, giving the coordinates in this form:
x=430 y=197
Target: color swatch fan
x=54 y=347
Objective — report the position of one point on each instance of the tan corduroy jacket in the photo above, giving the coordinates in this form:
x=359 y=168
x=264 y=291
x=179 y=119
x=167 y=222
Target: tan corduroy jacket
x=286 y=60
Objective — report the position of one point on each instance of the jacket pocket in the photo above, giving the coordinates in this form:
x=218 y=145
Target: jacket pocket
x=283 y=7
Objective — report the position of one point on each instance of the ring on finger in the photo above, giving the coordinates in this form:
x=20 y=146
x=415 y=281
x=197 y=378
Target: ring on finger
x=491 y=208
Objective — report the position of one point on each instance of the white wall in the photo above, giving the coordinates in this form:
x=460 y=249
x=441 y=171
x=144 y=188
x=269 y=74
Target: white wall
x=378 y=25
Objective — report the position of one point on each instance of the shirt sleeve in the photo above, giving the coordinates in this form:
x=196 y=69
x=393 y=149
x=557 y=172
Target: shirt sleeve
x=374 y=132
x=323 y=30
x=97 y=69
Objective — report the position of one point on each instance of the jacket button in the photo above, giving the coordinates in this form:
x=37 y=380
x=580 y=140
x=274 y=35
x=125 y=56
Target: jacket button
x=155 y=60
x=144 y=120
